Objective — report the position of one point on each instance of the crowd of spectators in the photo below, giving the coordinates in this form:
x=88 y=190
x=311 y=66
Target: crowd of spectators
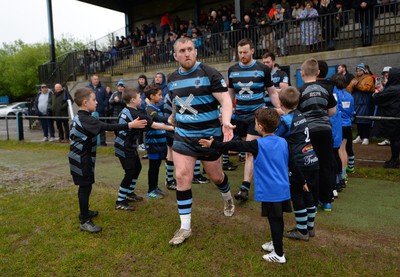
x=265 y=23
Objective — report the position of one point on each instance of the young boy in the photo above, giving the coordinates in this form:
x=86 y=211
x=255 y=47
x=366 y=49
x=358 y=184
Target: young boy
x=303 y=164
x=271 y=176
x=82 y=155
x=156 y=140
x=346 y=105
x=126 y=148
x=317 y=104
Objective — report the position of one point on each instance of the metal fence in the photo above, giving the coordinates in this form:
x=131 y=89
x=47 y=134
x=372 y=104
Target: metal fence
x=342 y=30
x=27 y=127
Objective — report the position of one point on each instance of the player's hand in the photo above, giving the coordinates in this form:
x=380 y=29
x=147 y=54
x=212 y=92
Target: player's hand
x=227 y=129
x=172 y=120
x=206 y=142
x=305 y=188
x=138 y=123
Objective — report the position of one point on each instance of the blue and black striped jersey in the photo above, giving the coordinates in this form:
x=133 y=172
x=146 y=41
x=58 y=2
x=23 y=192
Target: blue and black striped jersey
x=197 y=112
x=250 y=83
x=125 y=141
x=294 y=129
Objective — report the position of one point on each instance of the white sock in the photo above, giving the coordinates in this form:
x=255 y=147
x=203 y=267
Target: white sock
x=226 y=195
x=186 y=221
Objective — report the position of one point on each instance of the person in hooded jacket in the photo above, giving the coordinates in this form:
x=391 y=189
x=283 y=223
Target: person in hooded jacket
x=388 y=102
x=116 y=101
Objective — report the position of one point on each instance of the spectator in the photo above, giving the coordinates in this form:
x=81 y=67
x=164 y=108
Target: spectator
x=102 y=102
x=264 y=22
x=203 y=18
x=225 y=23
x=297 y=9
x=169 y=47
x=361 y=87
x=182 y=30
x=60 y=109
x=327 y=10
x=109 y=112
x=234 y=36
x=248 y=30
x=190 y=27
x=142 y=83
x=280 y=29
x=198 y=42
x=116 y=101
x=42 y=106
x=380 y=84
x=126 y=48
x=165 y=25
x=215 y=26
x=364 y=14
x=309 y=26
x=342 y=69
x=388 y=102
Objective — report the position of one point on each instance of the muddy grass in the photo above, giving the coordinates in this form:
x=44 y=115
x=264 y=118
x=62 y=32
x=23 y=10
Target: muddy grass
x=339 y=247
x=14 y=180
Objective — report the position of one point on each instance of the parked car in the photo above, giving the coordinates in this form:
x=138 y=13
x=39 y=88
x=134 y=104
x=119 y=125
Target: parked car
x=13 y=108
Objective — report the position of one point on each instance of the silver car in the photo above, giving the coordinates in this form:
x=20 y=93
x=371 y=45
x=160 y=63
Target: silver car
x=13 y=108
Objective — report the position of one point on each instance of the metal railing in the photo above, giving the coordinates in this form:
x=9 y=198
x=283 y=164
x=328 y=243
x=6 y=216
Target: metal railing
x=18 y=127
x=339 y=30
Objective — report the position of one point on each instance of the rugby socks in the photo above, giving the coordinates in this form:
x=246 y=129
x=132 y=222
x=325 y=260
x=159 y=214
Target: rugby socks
x=225 y=159
x=301 y=220
x=311 y=211
x=225 y=188
x=350 y=164
x=184 y=201
x=132 y=186
x=245 y=186
x=197 y=171
x=169 y=170
x=127 y=186
x=242 y=156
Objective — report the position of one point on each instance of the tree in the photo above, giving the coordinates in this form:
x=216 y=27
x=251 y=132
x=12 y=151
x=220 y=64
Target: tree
x=19 y=65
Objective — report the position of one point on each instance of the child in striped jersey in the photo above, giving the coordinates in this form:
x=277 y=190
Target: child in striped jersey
x=82 y=155
x=303 y=165
x=126 y=148
x=156 y=140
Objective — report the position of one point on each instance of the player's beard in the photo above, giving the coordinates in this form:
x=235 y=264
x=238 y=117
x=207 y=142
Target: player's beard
x=188 y=64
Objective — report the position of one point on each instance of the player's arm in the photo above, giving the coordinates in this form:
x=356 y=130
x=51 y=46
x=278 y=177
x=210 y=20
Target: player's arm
x=273 y=95
x=223 y=147
x=162 y=126
x=232 y=93
x=226 y=109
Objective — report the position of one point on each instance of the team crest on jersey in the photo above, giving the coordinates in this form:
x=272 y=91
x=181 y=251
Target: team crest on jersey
x=197 y=82
x=255 y=73
x=245 y=88
x=186 y=104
